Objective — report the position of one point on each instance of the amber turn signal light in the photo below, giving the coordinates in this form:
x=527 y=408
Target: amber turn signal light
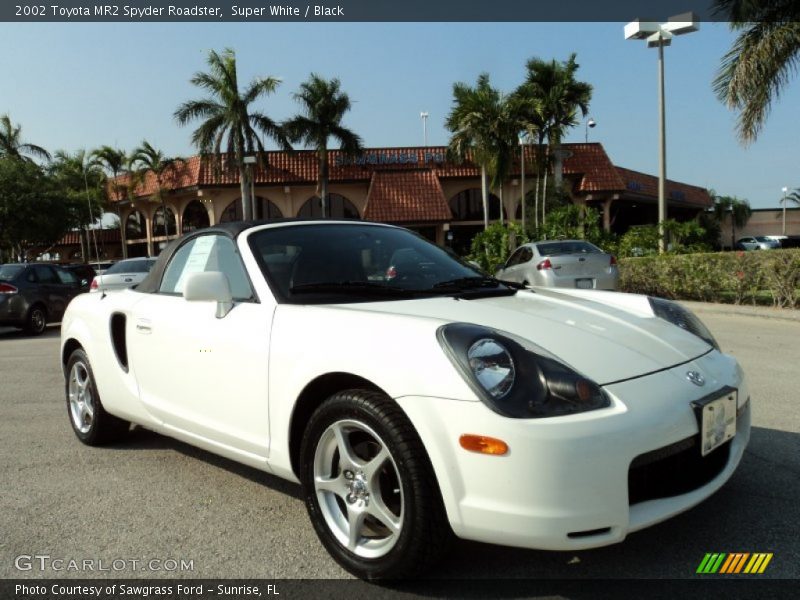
x=483 y=444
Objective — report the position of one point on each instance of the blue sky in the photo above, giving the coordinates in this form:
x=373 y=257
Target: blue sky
x=76 y=86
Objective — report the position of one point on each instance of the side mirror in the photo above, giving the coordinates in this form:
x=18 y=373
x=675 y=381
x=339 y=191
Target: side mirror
x=211 y=286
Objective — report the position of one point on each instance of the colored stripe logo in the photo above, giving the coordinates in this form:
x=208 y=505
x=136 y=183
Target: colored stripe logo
x=734 y=563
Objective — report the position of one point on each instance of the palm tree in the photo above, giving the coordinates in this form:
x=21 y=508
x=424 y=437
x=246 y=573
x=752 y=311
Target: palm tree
x=737 y=208
x=478 y=122
x=550 y=99
x=227 y=113
x=147 y=158
x=115 y=162
x=323 y=107
x=12 y=146
x=79 y=180
x=761 y=60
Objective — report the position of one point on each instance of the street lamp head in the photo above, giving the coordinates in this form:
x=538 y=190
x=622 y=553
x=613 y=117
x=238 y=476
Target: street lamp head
x=591 y=123
x=640 y=30
x=423 y=115
x=683 y=23
x=784 y=189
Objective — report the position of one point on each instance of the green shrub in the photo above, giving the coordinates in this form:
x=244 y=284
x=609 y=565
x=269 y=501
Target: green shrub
x=737 y=277
x=492 y=247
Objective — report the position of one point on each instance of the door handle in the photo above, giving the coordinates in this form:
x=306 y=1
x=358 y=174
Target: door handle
x=144 y=326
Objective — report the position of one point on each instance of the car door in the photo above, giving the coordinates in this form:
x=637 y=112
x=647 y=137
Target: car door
x=56 y=295
x=198 y=374
x=510 y=271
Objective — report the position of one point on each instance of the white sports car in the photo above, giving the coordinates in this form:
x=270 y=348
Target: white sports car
x=411 y=396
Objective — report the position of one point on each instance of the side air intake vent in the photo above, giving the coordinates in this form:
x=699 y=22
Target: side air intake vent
x=118 y=340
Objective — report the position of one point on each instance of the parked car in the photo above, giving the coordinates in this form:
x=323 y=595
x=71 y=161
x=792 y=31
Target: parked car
x=411 y=406
x=790 y=241
x=85 y=274
x=759 y=242
x=122 y=274
x=562 y=264
x=101 y=266
x=33 y=295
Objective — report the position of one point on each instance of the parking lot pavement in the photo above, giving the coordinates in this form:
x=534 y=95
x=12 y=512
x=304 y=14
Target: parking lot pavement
x=152 y=498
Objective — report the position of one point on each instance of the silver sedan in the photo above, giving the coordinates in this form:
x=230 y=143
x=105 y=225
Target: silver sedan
x=123 y=274
x=563 y=264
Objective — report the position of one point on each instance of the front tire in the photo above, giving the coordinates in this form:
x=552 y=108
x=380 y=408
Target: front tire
x=89 y=420
x=370 y=489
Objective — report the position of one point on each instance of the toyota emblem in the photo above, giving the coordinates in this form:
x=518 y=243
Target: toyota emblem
x=695 y=377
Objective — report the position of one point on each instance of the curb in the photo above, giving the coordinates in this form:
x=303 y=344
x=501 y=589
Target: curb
x=765 y=312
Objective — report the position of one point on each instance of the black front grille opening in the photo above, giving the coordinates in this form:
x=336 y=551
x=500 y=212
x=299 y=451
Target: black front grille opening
x=674 y=470
x=589 y=533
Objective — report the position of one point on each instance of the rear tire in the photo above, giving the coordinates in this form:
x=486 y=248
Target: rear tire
x=89 y=420
x=36 y=322
x=369 y=487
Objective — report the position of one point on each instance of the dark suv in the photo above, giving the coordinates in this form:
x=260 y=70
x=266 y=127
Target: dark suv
x=33 y=295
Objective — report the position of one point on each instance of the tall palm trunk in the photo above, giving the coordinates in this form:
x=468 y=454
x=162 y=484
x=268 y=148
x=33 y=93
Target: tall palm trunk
x=544 y=185
x=244 y=187
x=485 y=196
x=323 y=180
x=500 y=196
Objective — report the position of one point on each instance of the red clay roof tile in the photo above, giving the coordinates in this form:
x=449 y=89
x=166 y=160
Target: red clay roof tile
x=406 y=196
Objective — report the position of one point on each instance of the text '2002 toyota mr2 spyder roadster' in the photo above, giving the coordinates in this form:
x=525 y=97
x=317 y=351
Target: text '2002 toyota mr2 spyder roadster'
x=412 y=396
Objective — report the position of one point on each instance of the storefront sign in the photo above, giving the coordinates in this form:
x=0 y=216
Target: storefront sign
x=392 y=158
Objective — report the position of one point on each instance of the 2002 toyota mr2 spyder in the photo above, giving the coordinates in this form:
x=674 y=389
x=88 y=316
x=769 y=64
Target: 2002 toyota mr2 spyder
x=411 y=395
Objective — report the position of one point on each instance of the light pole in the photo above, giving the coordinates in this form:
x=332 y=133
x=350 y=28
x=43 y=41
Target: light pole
x=785 y=191
x=659 y=35
x=591 y=123
x=522 y=140
x=424 y=116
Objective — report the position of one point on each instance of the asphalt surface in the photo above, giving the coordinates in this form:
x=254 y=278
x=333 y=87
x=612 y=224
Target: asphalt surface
x=153 y=498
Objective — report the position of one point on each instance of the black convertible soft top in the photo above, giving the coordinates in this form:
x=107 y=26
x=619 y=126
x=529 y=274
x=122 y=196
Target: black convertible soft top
x=152 y=282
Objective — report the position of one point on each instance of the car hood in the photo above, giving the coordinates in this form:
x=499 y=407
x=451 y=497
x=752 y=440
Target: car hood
x=601 y=340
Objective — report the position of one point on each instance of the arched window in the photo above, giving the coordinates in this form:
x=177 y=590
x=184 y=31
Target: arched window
x=468 y=206
x=339 y=207
x=158 y=222
x=264 y=209
x=195 y=216
x=134 y=226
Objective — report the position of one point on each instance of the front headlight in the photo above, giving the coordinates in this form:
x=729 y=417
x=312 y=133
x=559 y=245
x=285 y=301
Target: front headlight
x=682 y=317
x=516 y=378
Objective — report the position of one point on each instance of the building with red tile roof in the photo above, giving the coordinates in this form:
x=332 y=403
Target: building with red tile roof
x=420 y=188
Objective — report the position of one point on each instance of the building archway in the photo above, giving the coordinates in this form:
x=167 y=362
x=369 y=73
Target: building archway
x=339 y=207
x=159 y=219
x=467 y=209
x=135 y=228
x=467 y=205
x=264 y=209
x=195 y=216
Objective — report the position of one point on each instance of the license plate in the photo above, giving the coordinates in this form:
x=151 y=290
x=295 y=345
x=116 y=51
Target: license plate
x=584 y=284
x=716 y=416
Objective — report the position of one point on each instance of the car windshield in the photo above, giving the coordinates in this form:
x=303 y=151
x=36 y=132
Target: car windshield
x=131 y=266
x=762 y=238
x=356 y=262
x=8 y=272
x=570 y=247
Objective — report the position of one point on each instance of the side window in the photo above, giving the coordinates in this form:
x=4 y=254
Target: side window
x=515 y=258
x=30 y=276
x=65 y=276
x=202 y=254
x=45 y=274
x=527 y=255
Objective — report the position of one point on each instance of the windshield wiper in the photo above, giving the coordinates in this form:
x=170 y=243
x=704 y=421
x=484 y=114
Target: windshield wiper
x=476 y=287
x=478 y=281
x=352 y=288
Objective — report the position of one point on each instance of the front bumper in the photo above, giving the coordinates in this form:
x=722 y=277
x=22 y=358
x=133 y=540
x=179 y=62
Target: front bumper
x=564 y=483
